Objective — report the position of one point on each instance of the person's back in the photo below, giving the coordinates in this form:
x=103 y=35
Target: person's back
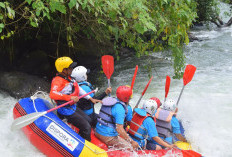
x=109 y=128
x=142 y=126
x=167 y=124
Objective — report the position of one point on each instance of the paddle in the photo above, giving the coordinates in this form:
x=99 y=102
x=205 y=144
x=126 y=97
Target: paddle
x=188 y=75
x=133 y=80
x=167 y=85
x=187 y=153
x=145 y=89
x=28 y=119
x=108 y=66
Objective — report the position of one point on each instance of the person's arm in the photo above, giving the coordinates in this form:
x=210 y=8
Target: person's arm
x=118 y=112
x=180 y=137
x=122 y=133
x=88 y=97
x=161 y=142
x=101 y=96
x=104 y=94
x=82 y=92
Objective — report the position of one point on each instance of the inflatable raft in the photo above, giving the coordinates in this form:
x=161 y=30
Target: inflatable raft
x=54 y=137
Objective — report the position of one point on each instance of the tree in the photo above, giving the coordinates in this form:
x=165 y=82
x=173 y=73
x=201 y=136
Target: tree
x=145 y=26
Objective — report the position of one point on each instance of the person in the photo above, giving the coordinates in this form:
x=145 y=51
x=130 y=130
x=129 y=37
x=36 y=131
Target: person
x=143 y=127
x=63 y=89
x=111 y=118
x=80 y=75
x=166 y=123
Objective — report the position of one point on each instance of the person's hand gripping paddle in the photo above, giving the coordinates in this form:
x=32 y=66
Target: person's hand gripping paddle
x=108 y=66
x=187 y=77
x=30 y=118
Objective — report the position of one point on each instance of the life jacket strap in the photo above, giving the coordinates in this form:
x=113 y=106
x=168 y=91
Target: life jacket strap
x=138 y=125
x=164 y=128
x=111 y=122
x=137 y=138
x=66 y=78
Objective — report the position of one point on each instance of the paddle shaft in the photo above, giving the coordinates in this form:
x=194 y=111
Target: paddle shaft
x=145 y=89
x=187 y=77
x=109 y=85
x=136 y=106
x=69 y=102
x=180 y=95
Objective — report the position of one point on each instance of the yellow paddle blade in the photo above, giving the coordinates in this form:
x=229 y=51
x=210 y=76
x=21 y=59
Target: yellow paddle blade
x=183 y=145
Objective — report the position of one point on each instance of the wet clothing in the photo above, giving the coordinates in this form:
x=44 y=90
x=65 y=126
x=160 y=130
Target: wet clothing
x=114 y=141
x=151 y=146
x=61 y=91
x=86 y=105
x=142 y=127
x=116 y=113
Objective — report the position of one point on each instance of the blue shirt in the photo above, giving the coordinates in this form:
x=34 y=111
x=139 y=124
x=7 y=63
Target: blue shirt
x=129 y=113
x=118 y=112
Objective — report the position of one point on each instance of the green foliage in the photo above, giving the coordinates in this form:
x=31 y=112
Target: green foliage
x=207 y=10
x=145 y=26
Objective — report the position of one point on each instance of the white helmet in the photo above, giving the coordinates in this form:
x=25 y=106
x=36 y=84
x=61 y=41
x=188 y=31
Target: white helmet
x=150 y=106
x=80 y=73
x=169 y=105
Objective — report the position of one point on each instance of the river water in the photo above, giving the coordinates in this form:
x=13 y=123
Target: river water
x=205 y=106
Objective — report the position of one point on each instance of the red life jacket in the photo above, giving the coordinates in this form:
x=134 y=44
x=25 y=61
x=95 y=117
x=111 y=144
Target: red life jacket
x=136 y=123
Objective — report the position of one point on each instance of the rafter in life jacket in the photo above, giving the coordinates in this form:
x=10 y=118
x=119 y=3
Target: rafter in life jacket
x=105 y=116
x=163 y=122
x=139 y=116
x=74 y=91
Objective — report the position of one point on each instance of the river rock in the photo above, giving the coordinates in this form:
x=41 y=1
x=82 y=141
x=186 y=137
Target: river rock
x=20 y=85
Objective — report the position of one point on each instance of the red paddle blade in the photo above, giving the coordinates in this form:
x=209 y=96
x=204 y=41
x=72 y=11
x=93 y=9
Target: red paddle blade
x=108 y=65
x=167 y=85
x=188 y=73
x=147 y=85
x=133 y=80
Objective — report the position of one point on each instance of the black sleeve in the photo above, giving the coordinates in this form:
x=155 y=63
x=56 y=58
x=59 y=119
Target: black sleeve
x=101 y=96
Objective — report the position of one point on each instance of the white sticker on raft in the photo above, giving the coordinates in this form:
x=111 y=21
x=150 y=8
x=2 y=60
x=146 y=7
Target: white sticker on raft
x=62 y=136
